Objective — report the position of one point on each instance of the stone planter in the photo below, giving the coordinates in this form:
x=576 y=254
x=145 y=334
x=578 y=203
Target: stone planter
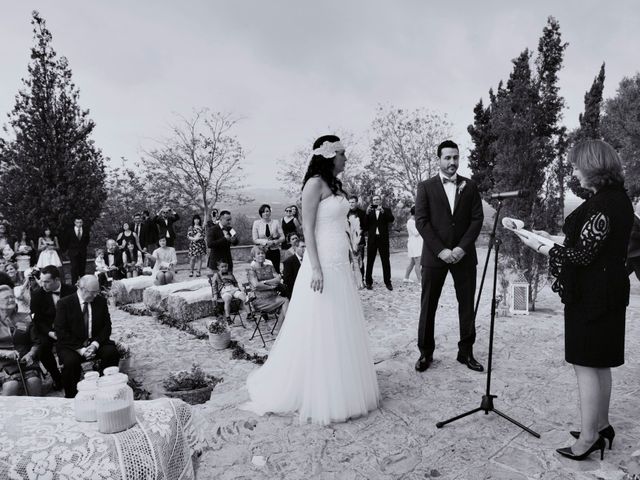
x=220 y=341
x=192 y=397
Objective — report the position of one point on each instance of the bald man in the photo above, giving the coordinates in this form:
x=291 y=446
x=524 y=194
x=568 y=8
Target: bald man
x=83 y=328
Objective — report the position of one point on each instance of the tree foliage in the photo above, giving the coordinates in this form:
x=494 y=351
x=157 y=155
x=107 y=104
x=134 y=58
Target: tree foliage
x=200 y=163
x=403 y=147
x=621 y=128
x=50 y=169
x=519 y=143
x=589 y=125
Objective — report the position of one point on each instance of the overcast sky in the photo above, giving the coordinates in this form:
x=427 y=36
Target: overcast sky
x=293 y=68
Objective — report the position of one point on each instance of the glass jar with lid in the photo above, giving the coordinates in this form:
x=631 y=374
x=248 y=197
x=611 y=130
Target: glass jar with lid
x=84 y=404
x=114 y=403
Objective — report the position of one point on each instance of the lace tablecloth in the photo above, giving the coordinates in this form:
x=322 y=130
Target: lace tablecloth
x=40 y=439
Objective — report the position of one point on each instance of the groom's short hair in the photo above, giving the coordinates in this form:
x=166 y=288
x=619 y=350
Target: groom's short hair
x=447 y=144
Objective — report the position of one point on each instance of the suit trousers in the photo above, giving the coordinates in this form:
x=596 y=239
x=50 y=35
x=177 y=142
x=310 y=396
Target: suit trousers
x=375 y=244
x=464 y=281
x=274 y=257
x=72 y=365
x=78 y=266
x=47 y=359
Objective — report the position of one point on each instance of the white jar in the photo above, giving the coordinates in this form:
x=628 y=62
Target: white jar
x=84 y=404
x=114 y=403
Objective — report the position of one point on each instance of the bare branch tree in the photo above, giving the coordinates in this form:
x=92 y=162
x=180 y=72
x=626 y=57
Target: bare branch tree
x=201 y=162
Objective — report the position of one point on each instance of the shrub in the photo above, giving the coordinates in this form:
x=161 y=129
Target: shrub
x=189 y=380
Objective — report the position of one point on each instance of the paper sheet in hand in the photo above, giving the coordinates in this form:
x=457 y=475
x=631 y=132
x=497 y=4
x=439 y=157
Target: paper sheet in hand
x=517 y=227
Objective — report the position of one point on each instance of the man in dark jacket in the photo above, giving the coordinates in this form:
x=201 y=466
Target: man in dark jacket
x=43 y=307
x=164 y=221
x=291 y=266
x=449 y=218
x=220 y=238
x=83 y=328
x=76 y=240
x=633 y=254
x=378 y=219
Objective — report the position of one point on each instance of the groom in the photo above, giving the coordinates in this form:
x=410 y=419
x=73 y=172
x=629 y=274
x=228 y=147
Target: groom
x=449 y=217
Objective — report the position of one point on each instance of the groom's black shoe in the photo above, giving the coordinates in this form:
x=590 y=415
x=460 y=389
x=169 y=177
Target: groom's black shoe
x=470 y=362
x=389 y=286
x=369 y=286
x=423 y=363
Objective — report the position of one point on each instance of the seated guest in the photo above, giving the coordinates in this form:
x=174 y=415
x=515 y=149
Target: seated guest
x=226 y=287
x=266 y=283
x=6 y=279
x=43 y=307
x=18 y=343
x=291 y=266
x=111 y=266
x=165 y=261
x=292 y=241
x=11 y=269
x=132 y=260
x=83 y=328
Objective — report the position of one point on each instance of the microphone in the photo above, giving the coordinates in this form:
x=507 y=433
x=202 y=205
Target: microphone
x=512 y=194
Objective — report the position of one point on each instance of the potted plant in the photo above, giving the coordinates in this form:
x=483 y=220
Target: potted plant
x=193 y=387
x=219 y=334
x=125 y=357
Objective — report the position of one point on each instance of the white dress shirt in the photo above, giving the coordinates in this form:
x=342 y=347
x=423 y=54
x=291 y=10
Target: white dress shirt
x=450 y=189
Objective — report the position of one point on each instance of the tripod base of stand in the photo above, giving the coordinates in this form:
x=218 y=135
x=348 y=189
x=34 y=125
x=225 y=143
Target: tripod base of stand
x=486 y=406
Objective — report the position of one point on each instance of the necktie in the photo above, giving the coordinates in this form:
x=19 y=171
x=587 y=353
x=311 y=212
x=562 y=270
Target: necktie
x=85 y=315
x=267 y=231
x=138 y=230
x=78 y=233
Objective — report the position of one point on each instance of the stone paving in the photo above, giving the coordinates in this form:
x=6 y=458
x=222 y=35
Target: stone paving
x=533 y=384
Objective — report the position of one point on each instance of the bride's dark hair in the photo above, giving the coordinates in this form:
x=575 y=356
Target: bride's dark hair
x=323 y=167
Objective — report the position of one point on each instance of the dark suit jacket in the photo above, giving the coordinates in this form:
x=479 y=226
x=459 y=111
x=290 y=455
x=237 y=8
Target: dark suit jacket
x=382 y=223
x=69 y=322
x=120 y=272
x=44 y=310
x=440 y=228
x=148 y=232
x=634 y=240
x=290 y=272
x=220 y=247
x=163 y=226
x=74 y=246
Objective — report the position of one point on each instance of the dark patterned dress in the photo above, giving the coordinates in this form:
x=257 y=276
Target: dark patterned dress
x=591 y=278
x=198 y=247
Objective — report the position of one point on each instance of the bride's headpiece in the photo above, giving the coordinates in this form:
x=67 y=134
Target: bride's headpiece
x=328 y=149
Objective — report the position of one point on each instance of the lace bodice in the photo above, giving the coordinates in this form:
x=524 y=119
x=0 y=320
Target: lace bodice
x=331 y=231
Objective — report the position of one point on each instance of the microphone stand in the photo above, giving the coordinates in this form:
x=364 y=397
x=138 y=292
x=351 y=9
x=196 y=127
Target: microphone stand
x=486 y=404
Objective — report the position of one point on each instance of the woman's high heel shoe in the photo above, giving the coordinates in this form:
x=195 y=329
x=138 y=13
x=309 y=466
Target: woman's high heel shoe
x=599 y=445
x=607 y=433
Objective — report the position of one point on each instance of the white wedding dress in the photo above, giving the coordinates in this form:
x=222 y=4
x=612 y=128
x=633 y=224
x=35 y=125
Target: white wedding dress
x=321 y=364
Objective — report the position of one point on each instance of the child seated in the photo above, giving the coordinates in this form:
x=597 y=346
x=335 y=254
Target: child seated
x=226 y=288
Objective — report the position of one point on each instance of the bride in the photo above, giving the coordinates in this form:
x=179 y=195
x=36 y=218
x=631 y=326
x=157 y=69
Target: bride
x=320 y=365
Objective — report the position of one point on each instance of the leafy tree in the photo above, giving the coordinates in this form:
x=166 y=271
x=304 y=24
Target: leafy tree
x=200 y=164
x=589 y=126
x=621 y=128
x=404 y=145
x=482 y=156
x=50 y=169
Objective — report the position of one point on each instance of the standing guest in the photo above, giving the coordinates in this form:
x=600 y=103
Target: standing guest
x=132 y=260
x=25 y=252
x=414 y=248
x=148 y=235
x=127 y=236
x=76 y=243
x=197 y=245
x=377 y=223
x=165 y=261
x=83 y=328
x=226 y=288
x=43 y=307
x=449 y=218
x=48 y=247
x=355 y=212
x=165 y=219
x=296 y=215
x=268 y=234
x=18 y=343
x=290 y=268
x=292 y=239
x=266 y=283
x=289 y=225
x=633 y=253
x=4 y=237
x=592 y=282
x=220 y=238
